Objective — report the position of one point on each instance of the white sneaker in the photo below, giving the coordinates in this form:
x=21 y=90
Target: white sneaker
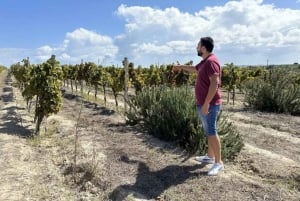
x=205 y=159
x=215 y=169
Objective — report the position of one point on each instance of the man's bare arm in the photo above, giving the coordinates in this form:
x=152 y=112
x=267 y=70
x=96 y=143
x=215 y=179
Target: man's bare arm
x=187 y=68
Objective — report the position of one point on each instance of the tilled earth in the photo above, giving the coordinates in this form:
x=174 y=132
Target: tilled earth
x=86 y=152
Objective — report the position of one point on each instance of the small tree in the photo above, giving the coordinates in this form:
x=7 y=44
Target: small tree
x=105 y=80
x=230 y=80
x=116 y=82
x=45 y=84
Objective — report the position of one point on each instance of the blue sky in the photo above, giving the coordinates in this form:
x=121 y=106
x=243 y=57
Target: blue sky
x=246 y=32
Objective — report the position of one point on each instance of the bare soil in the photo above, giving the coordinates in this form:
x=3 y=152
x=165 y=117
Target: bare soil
x=115 y=161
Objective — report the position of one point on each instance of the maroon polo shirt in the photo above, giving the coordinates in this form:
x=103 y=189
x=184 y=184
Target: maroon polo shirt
x=206 y=68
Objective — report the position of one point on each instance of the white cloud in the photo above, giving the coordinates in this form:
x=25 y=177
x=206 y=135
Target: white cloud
x=81 y=44
x=10 y=56
x=245 y=32
x=43 y=53
x=158 y=35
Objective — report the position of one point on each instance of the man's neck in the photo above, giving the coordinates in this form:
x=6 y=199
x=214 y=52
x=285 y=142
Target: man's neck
x=205 y=55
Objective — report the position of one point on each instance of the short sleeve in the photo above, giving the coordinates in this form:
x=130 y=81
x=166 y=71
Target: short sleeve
x=213 y=68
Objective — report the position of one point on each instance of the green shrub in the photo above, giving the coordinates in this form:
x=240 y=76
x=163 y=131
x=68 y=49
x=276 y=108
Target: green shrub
x=278 y=91
x=170 y=114
x=231 y=140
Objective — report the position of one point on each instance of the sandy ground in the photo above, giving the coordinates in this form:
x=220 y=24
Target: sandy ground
x=119 y=162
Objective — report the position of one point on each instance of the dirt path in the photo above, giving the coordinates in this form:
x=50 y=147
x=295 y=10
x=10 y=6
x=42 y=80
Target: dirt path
x=119 y=162
x=15 y=155
x=27 y=171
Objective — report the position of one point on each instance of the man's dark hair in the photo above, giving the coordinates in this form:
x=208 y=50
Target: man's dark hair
x=208 y=43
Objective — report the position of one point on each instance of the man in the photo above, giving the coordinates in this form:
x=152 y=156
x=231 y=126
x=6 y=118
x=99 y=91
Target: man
x=208 y=100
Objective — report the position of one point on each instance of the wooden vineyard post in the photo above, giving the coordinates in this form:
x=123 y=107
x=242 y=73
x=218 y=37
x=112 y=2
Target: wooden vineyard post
x=125 y=63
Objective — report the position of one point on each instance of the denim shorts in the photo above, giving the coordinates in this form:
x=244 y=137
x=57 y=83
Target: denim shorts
x=209 y=121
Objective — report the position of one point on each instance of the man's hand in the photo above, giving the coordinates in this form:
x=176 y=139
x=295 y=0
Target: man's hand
x=176 y=68
x=204 y=108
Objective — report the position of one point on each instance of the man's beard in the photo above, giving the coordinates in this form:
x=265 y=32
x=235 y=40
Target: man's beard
x=200 y=53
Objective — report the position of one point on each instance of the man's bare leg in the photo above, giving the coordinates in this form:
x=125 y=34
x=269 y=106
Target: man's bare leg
x=215 y=145
x=210 y=152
